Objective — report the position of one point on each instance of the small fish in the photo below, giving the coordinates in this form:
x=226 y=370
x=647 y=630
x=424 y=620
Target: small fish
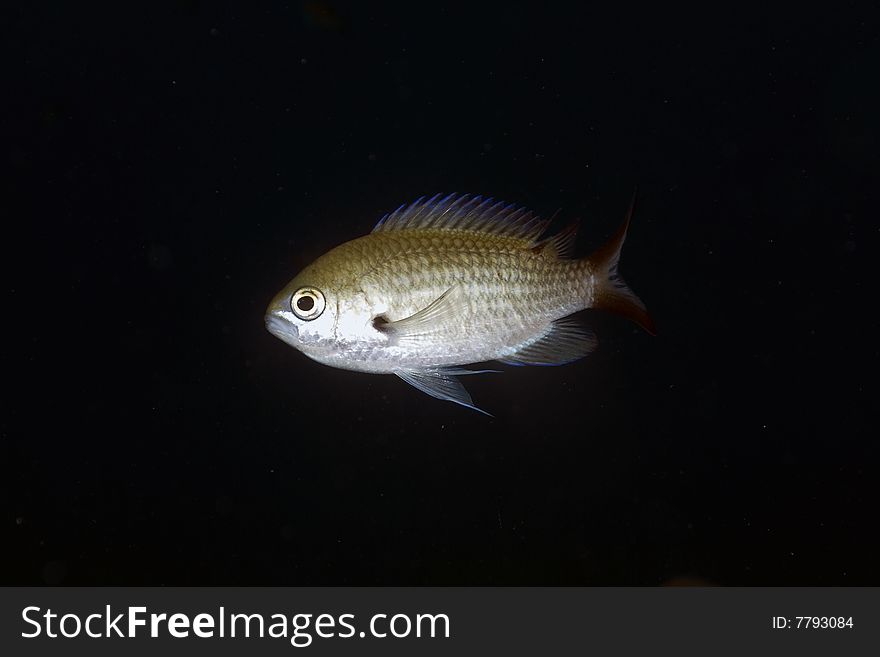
x=449 y=281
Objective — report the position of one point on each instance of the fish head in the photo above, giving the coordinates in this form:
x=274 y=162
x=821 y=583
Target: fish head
x=323 y=311
x=303 y=315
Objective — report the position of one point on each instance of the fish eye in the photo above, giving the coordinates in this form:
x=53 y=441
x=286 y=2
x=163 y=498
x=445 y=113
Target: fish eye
x=307 y=303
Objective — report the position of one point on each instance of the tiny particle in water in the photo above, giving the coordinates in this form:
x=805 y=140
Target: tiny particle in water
x=159 y=257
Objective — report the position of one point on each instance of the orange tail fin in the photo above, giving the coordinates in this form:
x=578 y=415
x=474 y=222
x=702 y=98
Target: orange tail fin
x=612 y=293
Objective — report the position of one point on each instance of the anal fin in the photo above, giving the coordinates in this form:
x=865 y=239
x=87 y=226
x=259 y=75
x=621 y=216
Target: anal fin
x=563 y=341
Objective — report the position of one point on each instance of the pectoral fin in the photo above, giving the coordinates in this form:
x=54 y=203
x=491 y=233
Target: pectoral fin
x=441 y=383
x=423 y=323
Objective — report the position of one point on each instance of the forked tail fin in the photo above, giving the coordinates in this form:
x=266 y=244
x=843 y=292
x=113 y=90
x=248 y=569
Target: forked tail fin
x=611 y=292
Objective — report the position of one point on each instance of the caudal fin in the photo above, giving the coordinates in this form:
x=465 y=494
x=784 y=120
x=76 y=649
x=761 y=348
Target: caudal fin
x=611 y=292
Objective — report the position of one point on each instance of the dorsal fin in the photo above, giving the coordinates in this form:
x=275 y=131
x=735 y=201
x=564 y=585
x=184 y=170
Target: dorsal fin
x=467 y=213
x=560 y=245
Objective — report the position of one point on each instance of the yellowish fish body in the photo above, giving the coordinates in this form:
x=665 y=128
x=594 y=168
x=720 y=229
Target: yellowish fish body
x=447 y=282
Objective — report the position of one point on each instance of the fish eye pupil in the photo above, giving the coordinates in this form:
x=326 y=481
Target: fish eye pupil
x=305 y=303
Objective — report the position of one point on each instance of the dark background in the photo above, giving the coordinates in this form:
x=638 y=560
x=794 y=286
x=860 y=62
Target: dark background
x=172 y=165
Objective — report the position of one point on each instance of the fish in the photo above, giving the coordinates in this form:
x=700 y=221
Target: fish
x=449 y=281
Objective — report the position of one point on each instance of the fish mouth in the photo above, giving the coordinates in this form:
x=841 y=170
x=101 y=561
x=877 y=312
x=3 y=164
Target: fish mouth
x=282 y=328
